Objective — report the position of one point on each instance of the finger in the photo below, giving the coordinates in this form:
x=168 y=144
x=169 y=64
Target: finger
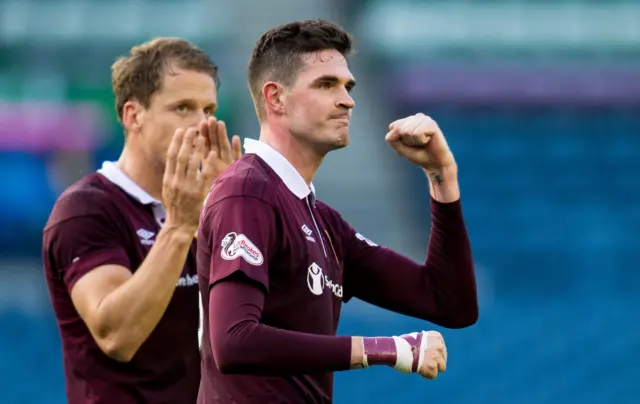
x=237 y=148
x=392 y=136
x=184 y=154
x=429 y=369
x=441 y=362
x=207 y=173
x=398 y=123
x=223 y=143
x=203 y=131
x=415 y=139
x=196 y=159
x=410 y=135
x=172 y=153
x=213 y=136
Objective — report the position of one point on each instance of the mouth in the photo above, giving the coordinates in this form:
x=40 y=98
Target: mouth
x=342 y=118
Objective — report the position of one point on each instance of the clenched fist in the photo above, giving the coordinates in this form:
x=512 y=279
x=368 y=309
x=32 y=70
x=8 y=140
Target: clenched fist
x=420 y=140
x=422 y=352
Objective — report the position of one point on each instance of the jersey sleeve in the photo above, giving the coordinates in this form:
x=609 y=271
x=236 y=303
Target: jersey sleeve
x=79 y=244
x=441 y=290
x=243 y=237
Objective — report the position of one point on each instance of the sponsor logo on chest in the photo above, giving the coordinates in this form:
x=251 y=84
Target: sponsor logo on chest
x=318 y=282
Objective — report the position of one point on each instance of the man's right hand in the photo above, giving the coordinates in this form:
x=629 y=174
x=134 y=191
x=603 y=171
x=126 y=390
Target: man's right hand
x=423 y=352
x=189 y=172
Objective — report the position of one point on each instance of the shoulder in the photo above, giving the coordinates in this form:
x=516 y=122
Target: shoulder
x=331 y=215
x=249 y=177
x=89 y=196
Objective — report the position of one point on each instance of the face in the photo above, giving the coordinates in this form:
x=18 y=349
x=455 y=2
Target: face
x=317 y=108
x=185 y=98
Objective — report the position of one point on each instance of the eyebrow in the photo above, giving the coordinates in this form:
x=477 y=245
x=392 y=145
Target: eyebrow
x=350 y=84
x=192 y=102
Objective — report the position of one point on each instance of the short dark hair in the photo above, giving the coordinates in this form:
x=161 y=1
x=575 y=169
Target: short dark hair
x=277 y=54
x=139 y=75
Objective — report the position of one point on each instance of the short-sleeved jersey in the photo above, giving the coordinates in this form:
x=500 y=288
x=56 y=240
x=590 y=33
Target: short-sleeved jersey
x=103 y=219
x=262 y=220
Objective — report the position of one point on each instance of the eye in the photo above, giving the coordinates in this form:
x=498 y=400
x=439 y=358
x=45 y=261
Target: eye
x=210 y=111
x=326 y=85
x=182 y=108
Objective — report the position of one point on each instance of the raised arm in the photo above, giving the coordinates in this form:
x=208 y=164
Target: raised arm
x=443 y=289
x=121 y=308
x=244 y=238
x=121 y=305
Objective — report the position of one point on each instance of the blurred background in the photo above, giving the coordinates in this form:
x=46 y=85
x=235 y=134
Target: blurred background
x=540 y=102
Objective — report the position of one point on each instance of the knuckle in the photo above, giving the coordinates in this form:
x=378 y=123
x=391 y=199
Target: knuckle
x=432 y=351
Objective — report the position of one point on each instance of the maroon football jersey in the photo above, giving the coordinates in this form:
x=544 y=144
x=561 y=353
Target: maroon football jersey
x=275 y=265
x=105 y=218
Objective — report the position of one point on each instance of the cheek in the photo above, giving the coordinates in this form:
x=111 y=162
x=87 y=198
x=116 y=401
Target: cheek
x=311 y=109
x=159 y=134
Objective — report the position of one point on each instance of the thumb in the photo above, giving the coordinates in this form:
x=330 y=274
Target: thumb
x=392 y=136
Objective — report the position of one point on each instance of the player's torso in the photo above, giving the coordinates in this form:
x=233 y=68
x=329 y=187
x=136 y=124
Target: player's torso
x=305 y=275
x=167 y=364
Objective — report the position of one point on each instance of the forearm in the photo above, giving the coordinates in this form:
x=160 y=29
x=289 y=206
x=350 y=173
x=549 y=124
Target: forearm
x=241 y=344
x=449 y=267
x=264 y=350
x=443 y=183
x=442 y=290
x=449 y=260
x=134 y=309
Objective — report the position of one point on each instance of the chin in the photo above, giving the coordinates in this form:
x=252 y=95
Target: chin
x=343 y=139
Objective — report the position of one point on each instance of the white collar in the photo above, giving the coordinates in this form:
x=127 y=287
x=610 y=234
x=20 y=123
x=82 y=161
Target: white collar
x=285 y=170
x=114 y=174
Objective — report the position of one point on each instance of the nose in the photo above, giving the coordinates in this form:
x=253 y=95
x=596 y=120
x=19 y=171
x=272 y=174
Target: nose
x=346 y=101
x=195 y=118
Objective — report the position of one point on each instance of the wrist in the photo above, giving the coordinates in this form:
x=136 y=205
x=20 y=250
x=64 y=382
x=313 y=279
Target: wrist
x=400 y=353
x=181 y=234
x=447 y=172
x=357 y=353
x=443 y=183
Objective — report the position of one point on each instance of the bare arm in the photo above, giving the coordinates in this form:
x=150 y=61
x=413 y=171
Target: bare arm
x=121 y=309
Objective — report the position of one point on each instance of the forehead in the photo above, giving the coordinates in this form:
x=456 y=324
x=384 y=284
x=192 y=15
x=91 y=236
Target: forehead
x=181 y=83
x=325 y=63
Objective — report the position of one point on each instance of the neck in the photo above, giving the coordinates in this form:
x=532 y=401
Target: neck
x=141 y=172
x=300 y=154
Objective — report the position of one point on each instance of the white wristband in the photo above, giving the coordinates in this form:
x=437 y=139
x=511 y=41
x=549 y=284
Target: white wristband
x=404 y=361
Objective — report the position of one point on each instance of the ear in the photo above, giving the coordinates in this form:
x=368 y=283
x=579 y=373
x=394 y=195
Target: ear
x=132 y=116
x=273 y=95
